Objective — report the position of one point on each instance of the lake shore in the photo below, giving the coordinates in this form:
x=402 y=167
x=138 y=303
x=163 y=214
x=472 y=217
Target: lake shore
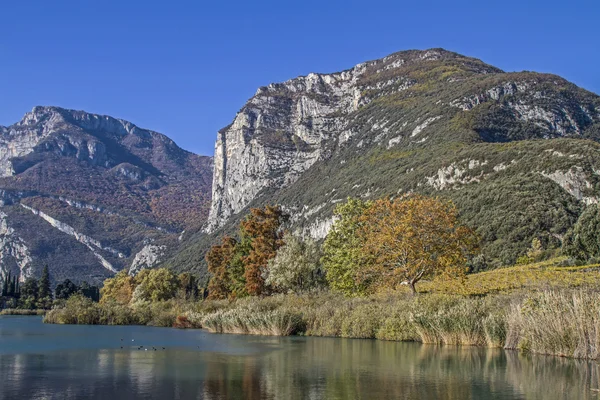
x=19 y=311
x=561 y=322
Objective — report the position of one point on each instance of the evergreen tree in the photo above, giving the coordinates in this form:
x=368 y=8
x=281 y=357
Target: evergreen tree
x=44 y=300
x=65 y=290
x=13 y=287
x=29 y=294
x=89 y=291
x=5 y=284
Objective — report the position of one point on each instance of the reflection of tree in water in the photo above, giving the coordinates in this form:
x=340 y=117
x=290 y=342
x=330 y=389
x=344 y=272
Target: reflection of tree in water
x=234 y=377
x=298 y=368
x=366 y=369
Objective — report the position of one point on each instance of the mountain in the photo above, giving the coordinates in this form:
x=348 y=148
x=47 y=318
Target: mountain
x=89 y=195
x=518 y=153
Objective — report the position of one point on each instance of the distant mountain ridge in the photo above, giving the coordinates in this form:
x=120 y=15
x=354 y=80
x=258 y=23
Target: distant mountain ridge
x=89 y=194
x=517 y=152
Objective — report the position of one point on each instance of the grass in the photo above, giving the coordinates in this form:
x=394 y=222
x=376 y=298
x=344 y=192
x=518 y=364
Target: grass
x=245 y=321
x=18 y=311
x=560 y=323
x=541 y=275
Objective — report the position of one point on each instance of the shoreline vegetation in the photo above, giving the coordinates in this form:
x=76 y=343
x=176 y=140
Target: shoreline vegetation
x=21 y=311
x=404 y=269
x=551 y=310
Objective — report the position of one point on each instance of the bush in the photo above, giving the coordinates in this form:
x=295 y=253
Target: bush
x=77 y=310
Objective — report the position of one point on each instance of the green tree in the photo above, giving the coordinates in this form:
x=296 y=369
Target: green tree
x=65 y=290
x=90 y=291
x=156 y=285
x=296 y=267
x=583 y=240
x=44 y=299
x=237 y=267
x=188 y=285
x=341 y=250
x=29 y=294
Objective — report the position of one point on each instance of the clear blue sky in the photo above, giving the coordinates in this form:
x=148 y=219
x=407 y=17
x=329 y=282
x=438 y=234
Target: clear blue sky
x=184 y=68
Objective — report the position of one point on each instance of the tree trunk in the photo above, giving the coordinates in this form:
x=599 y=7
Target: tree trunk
x=411 y=285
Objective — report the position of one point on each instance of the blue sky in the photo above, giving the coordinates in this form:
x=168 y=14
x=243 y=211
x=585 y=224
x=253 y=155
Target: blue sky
x=184 y=68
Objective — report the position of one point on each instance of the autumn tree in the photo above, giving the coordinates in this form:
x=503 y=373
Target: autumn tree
x=158 y=284
x=218 y=259
x=119 y=288
x=263 y=228
x=412 y=238
x=296 y=267
x=342 y=255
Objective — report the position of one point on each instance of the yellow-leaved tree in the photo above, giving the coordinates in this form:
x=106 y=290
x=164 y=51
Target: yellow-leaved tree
x=411 y=238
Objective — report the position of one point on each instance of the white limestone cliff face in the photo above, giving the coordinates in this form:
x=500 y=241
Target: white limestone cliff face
x=558 y=120
x=148 y=257
x=13 y=251
x=272 y=142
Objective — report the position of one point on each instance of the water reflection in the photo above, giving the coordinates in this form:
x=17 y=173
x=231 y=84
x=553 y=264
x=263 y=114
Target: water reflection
x=203 y=366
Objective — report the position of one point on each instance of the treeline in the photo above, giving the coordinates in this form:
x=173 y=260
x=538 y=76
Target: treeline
x=36 y=294
x=150 y=285
x=154 y=297
x=373 y=245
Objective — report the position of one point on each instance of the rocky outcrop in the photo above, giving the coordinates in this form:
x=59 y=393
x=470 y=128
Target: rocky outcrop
x=14 y=254
x=277 y=136
x=148 y=257
x=574 y=181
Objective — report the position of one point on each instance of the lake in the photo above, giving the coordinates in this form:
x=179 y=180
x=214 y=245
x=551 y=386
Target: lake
x=40 y=361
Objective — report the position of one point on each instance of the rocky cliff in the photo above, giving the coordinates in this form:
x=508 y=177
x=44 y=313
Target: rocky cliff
x=431 y=121
x=90 y=195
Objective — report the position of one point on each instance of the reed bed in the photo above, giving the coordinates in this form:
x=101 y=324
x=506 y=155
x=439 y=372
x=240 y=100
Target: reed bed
x=20 y=311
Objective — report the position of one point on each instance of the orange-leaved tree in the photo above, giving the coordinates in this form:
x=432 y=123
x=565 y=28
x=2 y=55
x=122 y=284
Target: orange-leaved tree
x=263 y=228
x=412 y=238
x=218 y=258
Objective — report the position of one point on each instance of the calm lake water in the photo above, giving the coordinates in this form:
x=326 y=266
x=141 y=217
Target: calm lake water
x=39 y=361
